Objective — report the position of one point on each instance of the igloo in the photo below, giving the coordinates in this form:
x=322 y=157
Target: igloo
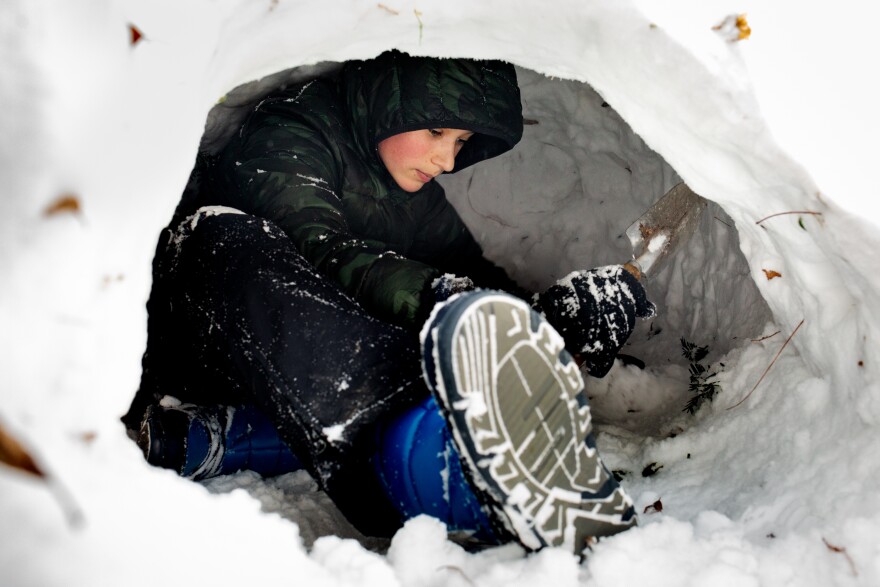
x=775 y=481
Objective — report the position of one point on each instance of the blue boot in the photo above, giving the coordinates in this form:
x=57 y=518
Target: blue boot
x=418 y=465
x=200 y=442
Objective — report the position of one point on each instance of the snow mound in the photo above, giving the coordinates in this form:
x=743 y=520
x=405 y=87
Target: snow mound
x=773 y=482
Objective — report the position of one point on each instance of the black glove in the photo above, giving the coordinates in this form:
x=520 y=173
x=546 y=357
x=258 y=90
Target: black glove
x=447 y=285
x=595 y=311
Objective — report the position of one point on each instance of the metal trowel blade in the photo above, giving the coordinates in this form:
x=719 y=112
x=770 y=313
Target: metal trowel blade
x=664 y=228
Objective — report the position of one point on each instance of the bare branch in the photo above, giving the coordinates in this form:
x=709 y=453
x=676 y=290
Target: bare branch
x=768 y=366
x=813 y=212
x=766 y=337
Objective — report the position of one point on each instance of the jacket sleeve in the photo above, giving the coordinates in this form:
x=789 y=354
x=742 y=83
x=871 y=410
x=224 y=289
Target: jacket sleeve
x=288 y=172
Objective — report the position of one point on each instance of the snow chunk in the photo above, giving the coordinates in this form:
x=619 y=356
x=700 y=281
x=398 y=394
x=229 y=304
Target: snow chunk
x=169 y=401
x=206 y=211
x=334 y=433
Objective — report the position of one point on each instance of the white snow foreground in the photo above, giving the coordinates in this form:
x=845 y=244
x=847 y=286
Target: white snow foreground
x=781 y=489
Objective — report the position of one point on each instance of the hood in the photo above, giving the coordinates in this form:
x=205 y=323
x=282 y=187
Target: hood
x=396 y=93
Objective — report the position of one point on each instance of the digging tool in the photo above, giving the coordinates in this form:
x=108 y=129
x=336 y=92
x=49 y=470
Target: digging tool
x=663 y=229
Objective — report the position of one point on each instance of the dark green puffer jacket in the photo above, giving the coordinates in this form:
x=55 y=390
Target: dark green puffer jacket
x=307 y=159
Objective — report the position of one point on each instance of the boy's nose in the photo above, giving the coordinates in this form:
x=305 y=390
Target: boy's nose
x=444 y=158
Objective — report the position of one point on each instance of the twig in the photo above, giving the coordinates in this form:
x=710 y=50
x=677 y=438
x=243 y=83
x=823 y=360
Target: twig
x=768 y=366
x=387 y=9
x=841 y=550
x=421 y=27
x=814 y=213
x=766 y=337
x=722 y=222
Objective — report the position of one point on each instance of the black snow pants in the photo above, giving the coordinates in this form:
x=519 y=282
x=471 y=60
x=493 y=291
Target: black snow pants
x=238 y=316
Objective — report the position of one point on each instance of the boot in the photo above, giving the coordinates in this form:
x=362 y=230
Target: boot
x=418 y=466
x=514 y=401
x=201 y=442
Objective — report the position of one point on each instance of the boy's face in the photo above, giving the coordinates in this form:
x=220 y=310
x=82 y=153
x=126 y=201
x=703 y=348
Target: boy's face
x=414 y=158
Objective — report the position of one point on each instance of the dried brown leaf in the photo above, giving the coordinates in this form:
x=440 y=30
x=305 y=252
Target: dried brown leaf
x=65 y=203
x=745 y=31
x=771 y=274
x=734 y=28
x=657 y=506
x=135 y=35
x=12 y=453
x=88 y=436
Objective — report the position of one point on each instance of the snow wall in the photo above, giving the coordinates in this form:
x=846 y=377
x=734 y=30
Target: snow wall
x=627 y=100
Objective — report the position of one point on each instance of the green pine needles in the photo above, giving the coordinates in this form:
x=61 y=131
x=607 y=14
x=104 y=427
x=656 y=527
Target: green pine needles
x=701 y=385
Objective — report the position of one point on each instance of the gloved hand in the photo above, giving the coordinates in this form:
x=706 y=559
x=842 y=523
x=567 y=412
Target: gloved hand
x=595 y=311
x=447 y=285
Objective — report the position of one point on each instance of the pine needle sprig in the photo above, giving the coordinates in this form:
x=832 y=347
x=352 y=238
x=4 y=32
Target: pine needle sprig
x=701 y=384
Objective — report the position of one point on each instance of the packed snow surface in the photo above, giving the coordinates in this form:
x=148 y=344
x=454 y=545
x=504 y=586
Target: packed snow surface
x=768 y=111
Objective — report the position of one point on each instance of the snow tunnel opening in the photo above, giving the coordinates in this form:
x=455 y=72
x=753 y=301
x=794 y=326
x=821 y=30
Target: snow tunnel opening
x=560 y=201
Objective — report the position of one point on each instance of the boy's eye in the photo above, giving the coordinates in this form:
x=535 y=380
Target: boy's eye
x=435 y=132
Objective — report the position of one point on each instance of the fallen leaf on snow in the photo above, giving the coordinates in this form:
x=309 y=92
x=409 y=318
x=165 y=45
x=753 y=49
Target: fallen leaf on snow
x=734 y=28
x=657 y=506
x=135 y=35
x=14 y=455
x=771 y=274
x=64 y=203
x=88 y=436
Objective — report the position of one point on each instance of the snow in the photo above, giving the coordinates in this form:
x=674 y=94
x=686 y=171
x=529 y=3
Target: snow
x=629 y=97
x=657 y=243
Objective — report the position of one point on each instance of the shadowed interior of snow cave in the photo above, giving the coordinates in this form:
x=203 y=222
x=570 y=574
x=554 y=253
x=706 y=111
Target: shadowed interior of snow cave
x=561 y=201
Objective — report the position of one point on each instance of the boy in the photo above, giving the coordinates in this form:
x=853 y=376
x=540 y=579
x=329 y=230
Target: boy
x=292 y=284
